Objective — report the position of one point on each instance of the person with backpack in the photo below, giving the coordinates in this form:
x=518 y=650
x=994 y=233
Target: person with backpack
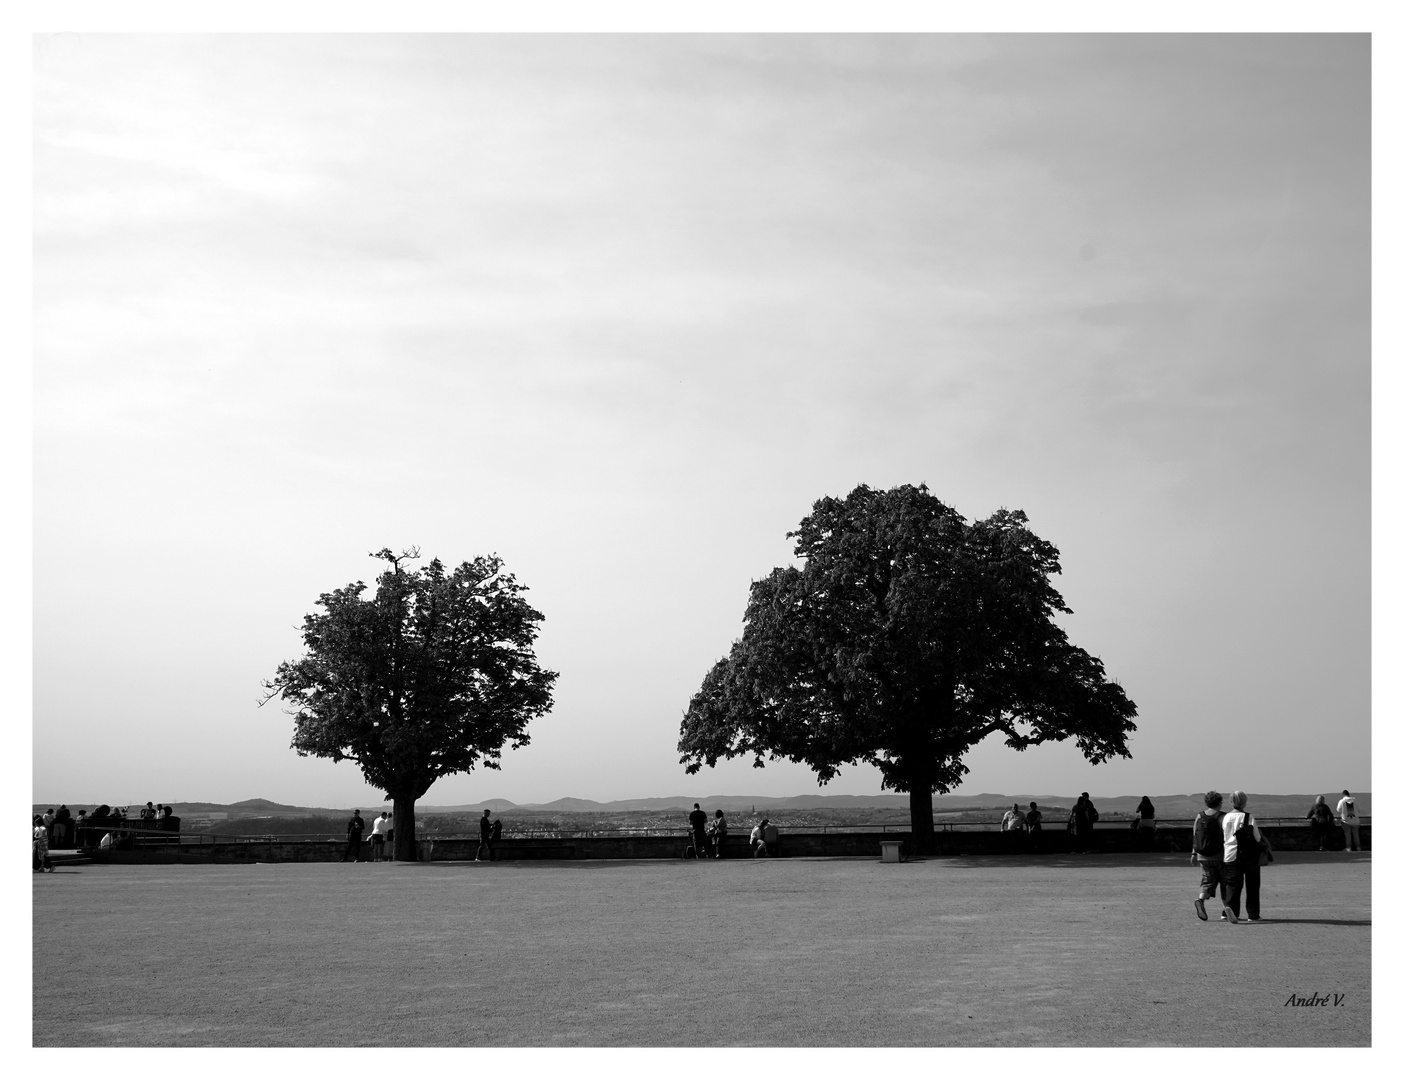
x=1350 y=821
x=1243 y=844
x=1207 y=849
x=1321 y=821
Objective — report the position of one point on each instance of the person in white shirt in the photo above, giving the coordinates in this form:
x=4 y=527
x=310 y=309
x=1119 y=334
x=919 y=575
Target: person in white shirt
x=1241 y=870
x=1350 y=821
x=379 y=828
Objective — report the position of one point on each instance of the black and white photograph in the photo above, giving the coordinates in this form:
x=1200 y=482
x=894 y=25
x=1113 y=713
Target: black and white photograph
x=778 y=537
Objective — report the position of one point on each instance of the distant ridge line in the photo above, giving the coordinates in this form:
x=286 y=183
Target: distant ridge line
x=1167 y=806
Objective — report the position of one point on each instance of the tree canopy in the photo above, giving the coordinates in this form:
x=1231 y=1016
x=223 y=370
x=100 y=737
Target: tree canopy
x=906 y=636
x=431 y=676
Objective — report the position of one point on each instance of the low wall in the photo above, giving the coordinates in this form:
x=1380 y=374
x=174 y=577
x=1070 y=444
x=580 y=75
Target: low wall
x=796 y=844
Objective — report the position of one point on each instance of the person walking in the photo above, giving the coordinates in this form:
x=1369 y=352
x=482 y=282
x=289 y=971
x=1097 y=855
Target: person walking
x=1321 y=822
x=41 y=846
x=355 y=828
x=718 y=830
x=1243 y=875
x=1207 y=849
x=1145 y=823
x=484 y=837
x=1350 y=821
x=697 y=820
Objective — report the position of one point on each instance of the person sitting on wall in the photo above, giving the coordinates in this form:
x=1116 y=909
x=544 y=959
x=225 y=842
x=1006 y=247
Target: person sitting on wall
x=768 y=845
x=148 y=812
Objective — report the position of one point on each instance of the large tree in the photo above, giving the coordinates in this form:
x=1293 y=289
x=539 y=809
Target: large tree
x=431 y=676
x=905 y=637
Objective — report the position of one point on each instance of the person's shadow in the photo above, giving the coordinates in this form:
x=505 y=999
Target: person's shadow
x=1321 y=922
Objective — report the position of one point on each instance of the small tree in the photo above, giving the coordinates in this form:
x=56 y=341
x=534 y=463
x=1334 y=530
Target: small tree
x=430 y=677
x=907 y=637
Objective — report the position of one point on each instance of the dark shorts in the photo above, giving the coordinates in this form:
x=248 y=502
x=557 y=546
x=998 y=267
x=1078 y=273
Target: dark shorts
x=1211 y=874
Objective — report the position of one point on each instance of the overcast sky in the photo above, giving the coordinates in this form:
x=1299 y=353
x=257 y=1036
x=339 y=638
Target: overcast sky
x=619 y=309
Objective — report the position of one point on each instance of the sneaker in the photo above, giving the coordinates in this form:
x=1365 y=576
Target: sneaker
x=1199 y=909
x=1255 y=918
x=1223 y=915
x=1231 y=916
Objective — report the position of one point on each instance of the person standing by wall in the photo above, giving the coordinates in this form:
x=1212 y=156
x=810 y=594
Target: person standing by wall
x=63 y=826
x=379 y=827
x=1080 y=822
x=1242 y=842
x=697 y=822
x=484 y=837
x=1207 y=849
x=1321 y=822
x=718 y=830
x=355 y=829
x=41 y=845
x=1145 y=823
x=1350 y=821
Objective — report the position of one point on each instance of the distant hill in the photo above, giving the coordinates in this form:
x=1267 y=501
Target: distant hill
x=1166 y=806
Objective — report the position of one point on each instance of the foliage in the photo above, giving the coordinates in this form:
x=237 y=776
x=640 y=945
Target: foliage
x=906 y=637
x=431 y=676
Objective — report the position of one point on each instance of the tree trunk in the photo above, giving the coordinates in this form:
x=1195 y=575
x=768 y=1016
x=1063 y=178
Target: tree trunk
x=405 y=848
x=923 y=819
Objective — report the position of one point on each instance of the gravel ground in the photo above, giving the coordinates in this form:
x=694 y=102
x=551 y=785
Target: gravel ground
x=1037 y=951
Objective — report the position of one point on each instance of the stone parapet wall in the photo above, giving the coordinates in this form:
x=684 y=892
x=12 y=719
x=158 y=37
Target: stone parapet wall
x=796 y=844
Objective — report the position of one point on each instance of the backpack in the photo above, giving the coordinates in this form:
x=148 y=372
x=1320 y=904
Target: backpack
x=1213 y=838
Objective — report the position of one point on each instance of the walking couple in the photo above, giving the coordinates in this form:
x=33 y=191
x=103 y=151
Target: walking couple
x=1231 y=852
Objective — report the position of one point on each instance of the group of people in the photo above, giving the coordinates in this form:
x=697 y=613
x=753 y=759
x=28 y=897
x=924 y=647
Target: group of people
x=58 y=826
x=382 y=832
x=1322 y=822
x=159 y=812
x=709 y=835
x=1028 y=825
x=1023 y=825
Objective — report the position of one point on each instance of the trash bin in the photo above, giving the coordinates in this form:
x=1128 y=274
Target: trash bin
x=891 y=850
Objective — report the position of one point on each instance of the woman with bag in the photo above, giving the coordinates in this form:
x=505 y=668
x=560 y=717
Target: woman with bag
x=1245 y=852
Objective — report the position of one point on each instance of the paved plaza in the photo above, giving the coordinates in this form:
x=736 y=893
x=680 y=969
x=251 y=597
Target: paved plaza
x=1055 y=951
